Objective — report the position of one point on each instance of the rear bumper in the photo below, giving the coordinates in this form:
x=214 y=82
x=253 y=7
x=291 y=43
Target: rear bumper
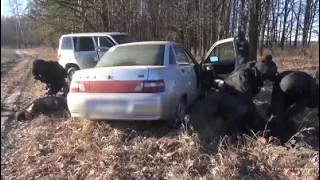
x=117 y=106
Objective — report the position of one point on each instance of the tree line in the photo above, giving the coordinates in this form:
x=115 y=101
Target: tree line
x=197 y=24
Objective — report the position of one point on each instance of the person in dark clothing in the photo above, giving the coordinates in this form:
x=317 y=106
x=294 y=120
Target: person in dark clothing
x=251 y=64
x=243 y=48
x=234 y=100
x=292 y=93
x=42 y=105
x=52 y=74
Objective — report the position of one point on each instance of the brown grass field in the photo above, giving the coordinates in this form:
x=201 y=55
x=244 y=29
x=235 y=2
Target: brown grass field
x=55 y=147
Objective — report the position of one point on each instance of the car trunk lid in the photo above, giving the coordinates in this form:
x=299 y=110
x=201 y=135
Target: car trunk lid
x=119 y=79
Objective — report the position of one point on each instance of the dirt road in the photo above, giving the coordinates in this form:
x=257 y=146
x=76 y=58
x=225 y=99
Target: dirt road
x=16 y=79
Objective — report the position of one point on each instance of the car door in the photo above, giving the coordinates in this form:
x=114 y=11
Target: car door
x=194 y=75
x=221 y=59
x=65 y=51
x=186 y=70
x=84 y=51
x=103 y=45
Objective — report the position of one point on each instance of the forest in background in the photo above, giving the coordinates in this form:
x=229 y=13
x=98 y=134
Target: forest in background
x=196 y=24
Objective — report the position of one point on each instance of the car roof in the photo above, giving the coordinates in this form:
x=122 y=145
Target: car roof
x=147 y=43
x=95 y=34
x=226 y=40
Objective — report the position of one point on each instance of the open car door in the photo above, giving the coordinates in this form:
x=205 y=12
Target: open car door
x=219 y=61
x=103 y=44
x=221 y=58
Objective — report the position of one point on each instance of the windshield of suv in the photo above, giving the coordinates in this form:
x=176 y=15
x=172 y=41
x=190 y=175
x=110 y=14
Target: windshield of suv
x=134 y=55
x=123 y=38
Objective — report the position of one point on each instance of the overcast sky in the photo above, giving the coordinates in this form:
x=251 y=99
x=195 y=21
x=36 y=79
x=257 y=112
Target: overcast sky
x=5 y=8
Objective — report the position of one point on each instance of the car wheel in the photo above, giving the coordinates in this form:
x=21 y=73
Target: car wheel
x=71 y=72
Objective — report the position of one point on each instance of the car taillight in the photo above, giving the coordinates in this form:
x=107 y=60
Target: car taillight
x=77 y=86
x=154 y=86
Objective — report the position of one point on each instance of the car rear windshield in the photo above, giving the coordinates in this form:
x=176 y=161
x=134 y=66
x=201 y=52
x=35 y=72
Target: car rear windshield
x=134 y=55
x=121 y=39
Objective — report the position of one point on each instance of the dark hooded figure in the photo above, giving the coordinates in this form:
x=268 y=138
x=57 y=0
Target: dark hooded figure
x=52 y=74
x=292 y=93
x=42 y=105
x=243 y=48
x=234 y=100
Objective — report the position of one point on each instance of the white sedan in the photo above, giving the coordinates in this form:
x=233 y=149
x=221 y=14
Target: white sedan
x=152 y=80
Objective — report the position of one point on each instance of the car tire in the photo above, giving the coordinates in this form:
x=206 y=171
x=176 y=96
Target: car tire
x=71 y=72
x=181 y=112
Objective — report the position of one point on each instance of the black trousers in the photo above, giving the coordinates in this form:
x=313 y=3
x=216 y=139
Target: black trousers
x=238 y=113
x=55 y=87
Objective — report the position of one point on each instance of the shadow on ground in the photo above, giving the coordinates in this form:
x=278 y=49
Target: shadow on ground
x=6 y=66
x=11 y=60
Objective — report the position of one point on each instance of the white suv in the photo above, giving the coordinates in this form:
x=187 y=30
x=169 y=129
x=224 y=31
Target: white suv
x=83 y=50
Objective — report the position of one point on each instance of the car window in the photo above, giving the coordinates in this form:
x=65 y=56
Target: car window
x=224 y=51
x=83 y=43
x=123 y=38
x=180 y=55
x=189 y=57
x=134 y=55
x=66 y=43
x=104 y=42
x=172 y=60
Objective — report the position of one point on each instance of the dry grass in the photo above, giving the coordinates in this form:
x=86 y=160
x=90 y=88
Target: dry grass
x=81 y=149
x=52 y=147
x=293 y=59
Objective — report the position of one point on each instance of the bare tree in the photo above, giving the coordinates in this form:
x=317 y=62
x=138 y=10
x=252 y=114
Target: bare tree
x=298 y=14
x=306 y=23
x=315 y=10
x=284 y=25
x=255 y=6
x=197 y=24
x=265 y=19
x=16 y=9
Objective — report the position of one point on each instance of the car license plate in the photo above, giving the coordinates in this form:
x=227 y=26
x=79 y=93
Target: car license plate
x=113 y=107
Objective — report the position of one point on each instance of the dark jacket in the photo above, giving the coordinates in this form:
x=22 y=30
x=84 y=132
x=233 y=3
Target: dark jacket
x=292 y=92
x=43 y=105
x=243 y=49
x=234 y=100
x=244 y=81
x=49 y=72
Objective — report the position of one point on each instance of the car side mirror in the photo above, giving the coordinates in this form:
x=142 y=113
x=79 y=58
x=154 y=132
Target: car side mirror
x=214 y=59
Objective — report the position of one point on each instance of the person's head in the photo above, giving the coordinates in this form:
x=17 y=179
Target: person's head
x=39 y=65
x=268 y=58
x=267 y=68
x=23 y=116
x=241 y=35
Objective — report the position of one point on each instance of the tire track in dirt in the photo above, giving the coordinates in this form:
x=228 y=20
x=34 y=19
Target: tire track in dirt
x=14 y=95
